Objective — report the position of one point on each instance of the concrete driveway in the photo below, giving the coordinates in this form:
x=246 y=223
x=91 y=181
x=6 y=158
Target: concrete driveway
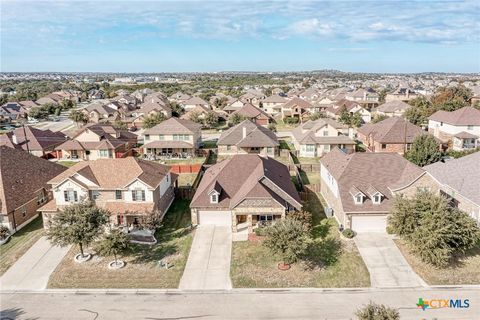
x=385 y=262
x=33 y=269
x=208 y=264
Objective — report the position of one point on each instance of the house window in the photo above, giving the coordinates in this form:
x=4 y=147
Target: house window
x=384 y=146
x=138 y=195
x=229 y=148
x=265 y=218
x=214 y=198
x=409 y=146
x=70 y=196
x=161 y=137
x=41 y=198
x=118 y=194
x=103 y=153
x=180 y=137
x=310 y=148
x=469 y=127
x=94 y=194
x=377 y=199
x=325 y=133
x=269 y=150
x=147 y=137
x=326 y=147
x=24 y=211
x=358 y=199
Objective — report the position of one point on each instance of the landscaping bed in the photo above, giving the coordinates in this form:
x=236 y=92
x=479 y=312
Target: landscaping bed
x=330 y=262
x=465 y=271
x=19 y=243
x=143 y=264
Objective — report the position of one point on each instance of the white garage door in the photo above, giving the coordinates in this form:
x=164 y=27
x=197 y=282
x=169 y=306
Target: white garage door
x=218 y=218
x=369 y=223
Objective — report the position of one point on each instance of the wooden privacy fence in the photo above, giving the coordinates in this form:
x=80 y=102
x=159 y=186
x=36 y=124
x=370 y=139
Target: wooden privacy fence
x=186 y=168
x=184 y=192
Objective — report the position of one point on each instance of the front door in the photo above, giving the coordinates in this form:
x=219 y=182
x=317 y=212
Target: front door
x=241 y=219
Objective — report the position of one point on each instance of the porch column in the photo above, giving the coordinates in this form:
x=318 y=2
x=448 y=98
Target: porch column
x=284 y=215
x=250 y=223
x=234 y=222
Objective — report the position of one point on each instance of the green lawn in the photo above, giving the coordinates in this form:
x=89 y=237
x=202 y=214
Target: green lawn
x=194 y=160
x=465 y=271
x=209 y=144
x=329 y=262
x=67 y=163
x=142 y=269
x=19 y=243
x=310 y=177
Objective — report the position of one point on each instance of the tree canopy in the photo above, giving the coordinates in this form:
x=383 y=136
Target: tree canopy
x=424 y=150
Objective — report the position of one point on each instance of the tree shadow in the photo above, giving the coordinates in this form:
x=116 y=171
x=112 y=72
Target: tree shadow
x=13 y=313
x=323 y=252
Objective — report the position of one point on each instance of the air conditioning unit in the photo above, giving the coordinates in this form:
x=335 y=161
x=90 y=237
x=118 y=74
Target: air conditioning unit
x=329 y=212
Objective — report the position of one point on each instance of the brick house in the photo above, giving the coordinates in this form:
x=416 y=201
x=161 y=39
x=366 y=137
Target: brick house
x=248 y=137
x=394 y=134
x=257 y=115
x=23 y=186
x=243 y=191
x=129 y=188
x=359 y=188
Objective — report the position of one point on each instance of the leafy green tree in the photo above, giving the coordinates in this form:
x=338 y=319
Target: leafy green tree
x=120 y=125
x=379 y=117
x=382 y=95
x=236 y=118
x=374 y=311
x=211 y=119
x=304 y=216
x=434 y=231
x=220 y=103
x=112 y=244
x=317 y=115
x=153 y=119
x=3 y=99
x=38 y=113
x=272 y=127
x=78 y=117
x=345 y=117
x=195 y=116
x=425 y=150
x=451 y=98
x=288 y=239
x=77 y=224
x=356 y=120
x=420 y=111
x=67 y=104
x=177 y=109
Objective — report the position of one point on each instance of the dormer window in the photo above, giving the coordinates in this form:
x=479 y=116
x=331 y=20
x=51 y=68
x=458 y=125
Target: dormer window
x=359 y=199
x=214 y=198
x=377 y=198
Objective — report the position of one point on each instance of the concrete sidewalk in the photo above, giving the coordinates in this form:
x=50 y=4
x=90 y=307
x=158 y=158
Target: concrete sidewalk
x=33 y=269
x=385 y=262
x=208 y=264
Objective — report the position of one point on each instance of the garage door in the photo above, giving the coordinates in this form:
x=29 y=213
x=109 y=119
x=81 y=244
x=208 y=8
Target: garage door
x=218 y=218
x=369 y=223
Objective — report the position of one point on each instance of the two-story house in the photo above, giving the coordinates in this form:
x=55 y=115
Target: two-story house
x=97 y=141
x=173 y=136
x=460 y=127
x=193 y=102
x=128 y=188
x=314 y=138
x=23 y=186
x=248 y=137
x=273 y=104
x=335 y=111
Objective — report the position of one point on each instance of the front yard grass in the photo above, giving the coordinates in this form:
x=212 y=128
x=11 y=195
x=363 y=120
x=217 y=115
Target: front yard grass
x=330 y=262
x=19 y=243
x=186 y=179
x=142 y=269
x=465 y=271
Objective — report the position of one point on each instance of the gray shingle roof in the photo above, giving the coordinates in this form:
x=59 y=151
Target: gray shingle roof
x=255 y=136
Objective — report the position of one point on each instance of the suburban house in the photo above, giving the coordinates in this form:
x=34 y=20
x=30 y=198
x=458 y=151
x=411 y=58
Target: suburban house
x=193 y=102
x=40 y=143
x=296 y=107
x=314 y=138
x=151 y=106
x=248 y=137
x=173 y=136
x=233 y=106
x=96 y=94
x=459 y=181
x=394 y=108
x=12 y=111
x=97 y=113
x=401 y=94
x=97 y=141
x=368 y=97
x=273 y=104
x=461 y=126
x=128 y=188
x=359 y=188
x=257 y=115
x=243 y=192
x=179 y=97
x=253 y=96
x=352 y=107
x=23 y=186
x=394 y=134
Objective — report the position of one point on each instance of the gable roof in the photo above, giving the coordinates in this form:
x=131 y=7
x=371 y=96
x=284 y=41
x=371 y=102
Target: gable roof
x=275 y=99
x=116 y=173
x=305 y=133
x=195 y=101
x=255 y=136
x=250 y=111
x=393 y=106
x=21 y=175
x=462 y=175
x=383 y=172
x=297 y=102
x=391 y=130
x=37 y=140
x=461 y=117
x=260 y=178
x=175 y=126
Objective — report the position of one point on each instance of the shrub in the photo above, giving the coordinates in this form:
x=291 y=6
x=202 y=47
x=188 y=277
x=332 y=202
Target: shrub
x=304 y=216
x=348 y=233
x=4 y=232
x=114 y=243
x=261 y=232
x=272 y=127
x=291 y=120
x=373 y=311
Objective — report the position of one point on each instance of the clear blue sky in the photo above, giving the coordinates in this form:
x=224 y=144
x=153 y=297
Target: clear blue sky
x=161 y=36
